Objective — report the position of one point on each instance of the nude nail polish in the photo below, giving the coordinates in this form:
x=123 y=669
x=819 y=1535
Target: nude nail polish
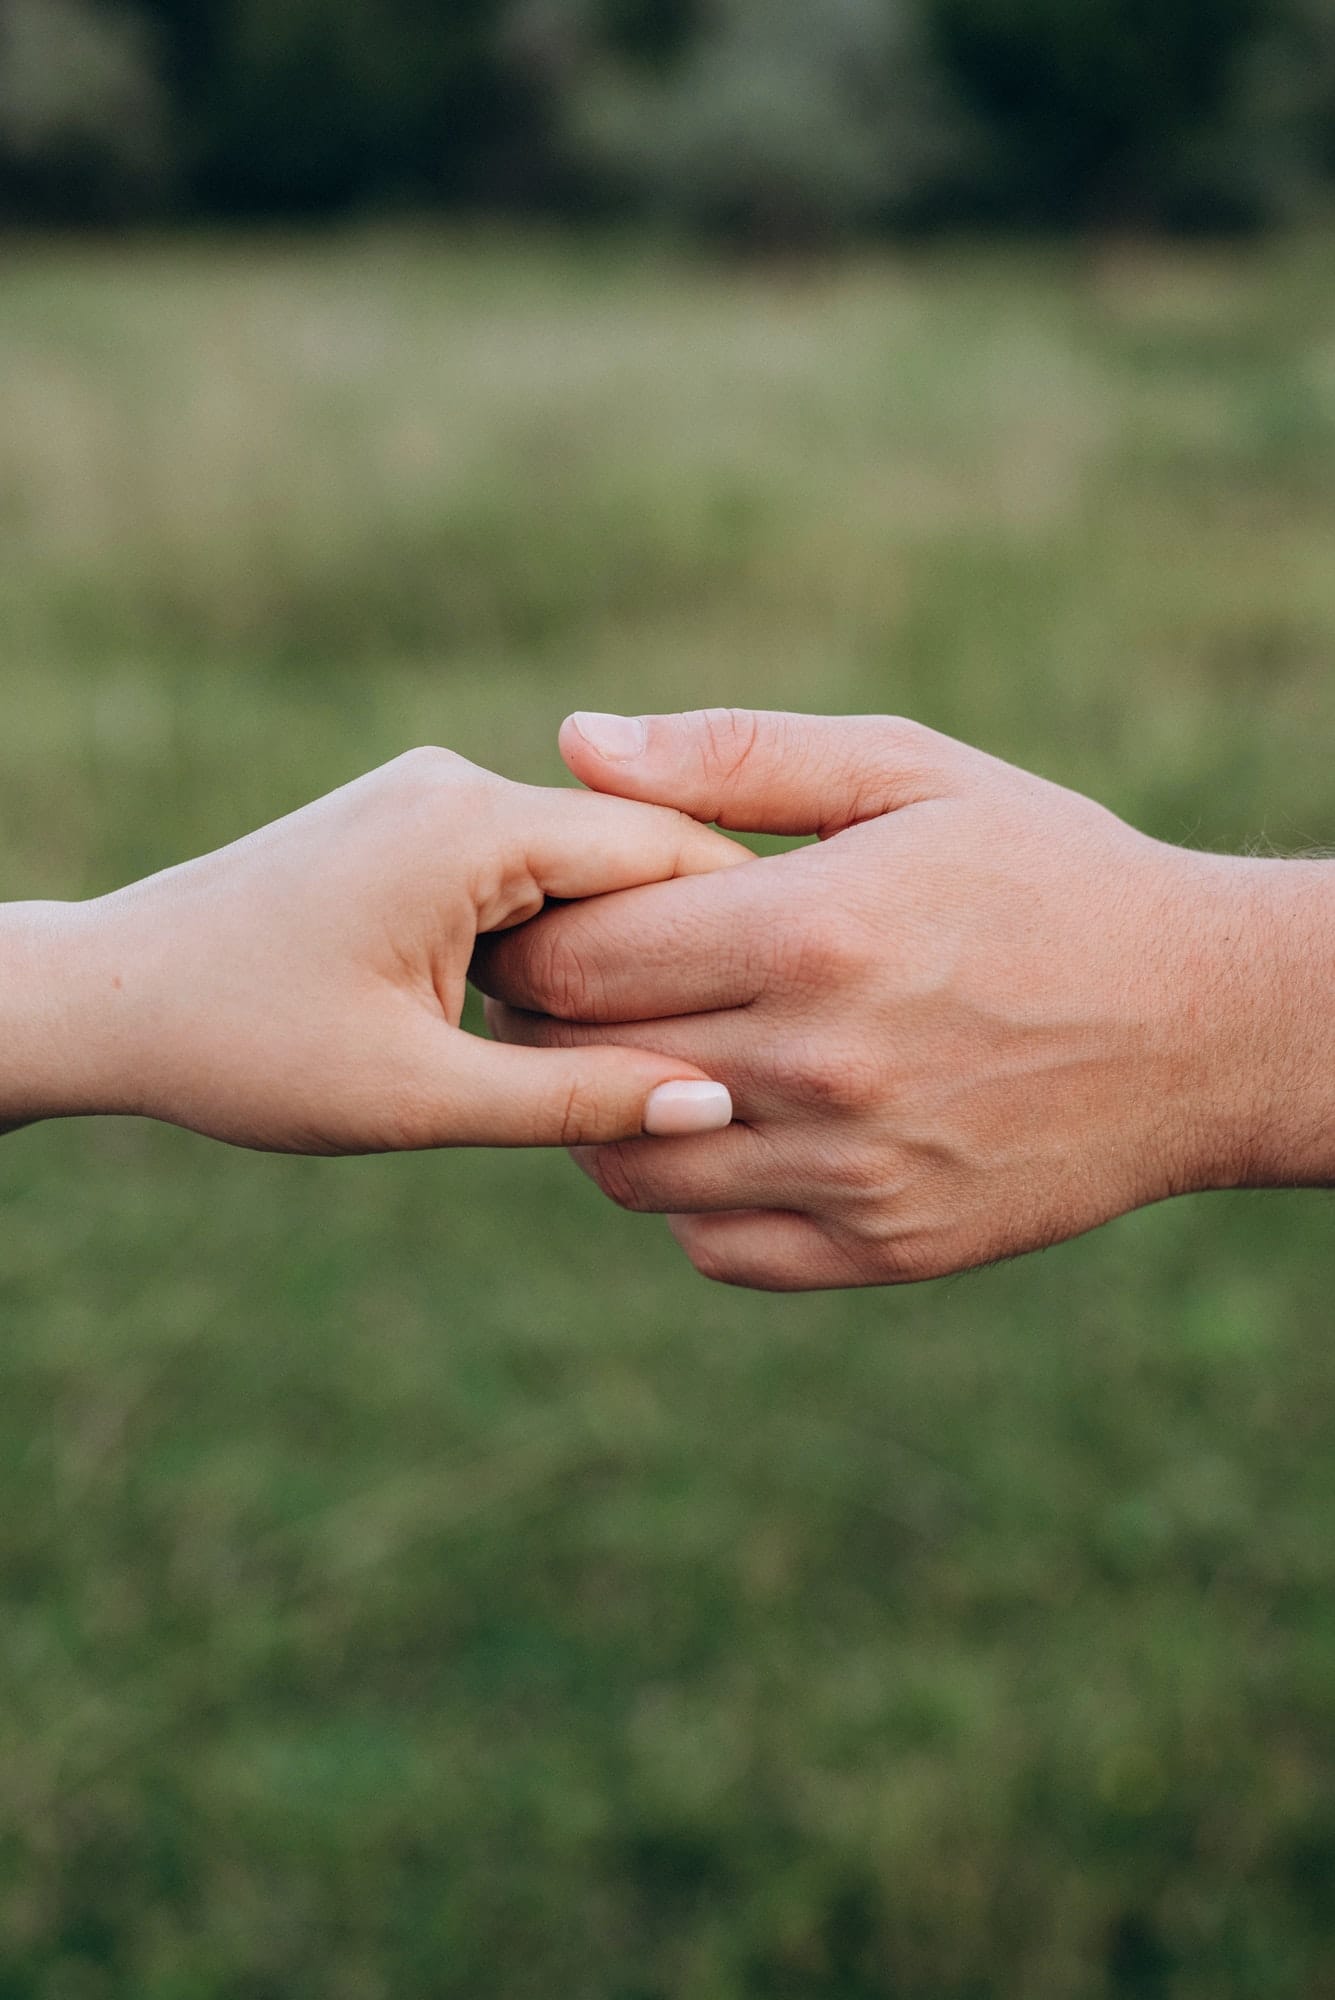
x=675 y=1110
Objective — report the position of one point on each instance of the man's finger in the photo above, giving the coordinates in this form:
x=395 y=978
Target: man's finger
x=763 y=770
x=502 y=1096
x=724 y=1046
x=685 y=947
x=586 y=844
x=736 y=1169
x=765 y=1250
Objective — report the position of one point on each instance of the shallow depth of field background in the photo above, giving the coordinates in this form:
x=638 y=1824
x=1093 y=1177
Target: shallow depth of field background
x=413 y=1579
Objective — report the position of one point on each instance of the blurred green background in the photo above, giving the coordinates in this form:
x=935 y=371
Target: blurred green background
x=414 y=1580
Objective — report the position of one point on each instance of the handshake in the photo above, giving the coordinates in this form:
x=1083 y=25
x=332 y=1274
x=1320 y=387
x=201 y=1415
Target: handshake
x=978 y=1016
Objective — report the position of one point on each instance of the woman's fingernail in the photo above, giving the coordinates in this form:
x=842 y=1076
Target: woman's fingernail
x=614 y=737
x=675 y=1109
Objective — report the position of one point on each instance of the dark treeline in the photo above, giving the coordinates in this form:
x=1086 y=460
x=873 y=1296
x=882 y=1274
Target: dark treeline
x=763 y=120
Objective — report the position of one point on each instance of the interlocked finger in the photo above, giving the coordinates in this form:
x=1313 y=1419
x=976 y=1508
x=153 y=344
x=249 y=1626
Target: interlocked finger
x=734 y=1169
x=766 y=1251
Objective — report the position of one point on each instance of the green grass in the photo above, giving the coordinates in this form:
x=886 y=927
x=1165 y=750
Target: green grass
x=415 y=1580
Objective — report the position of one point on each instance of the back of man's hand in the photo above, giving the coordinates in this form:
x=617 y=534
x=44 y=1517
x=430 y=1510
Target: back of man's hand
x=983 y=1015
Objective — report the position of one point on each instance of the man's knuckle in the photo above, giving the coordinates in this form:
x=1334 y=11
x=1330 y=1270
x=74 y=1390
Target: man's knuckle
x=562 y=981
x=715 y=1263
x=722 y=1261
x=614 y=1174
x=866 y=1186
x=758 y=1273
x=729 y=738
x=827 y=1077
x=898 y=761
x=840 y=1087
x=900 y=734
x=827 y=948
x=926 y=758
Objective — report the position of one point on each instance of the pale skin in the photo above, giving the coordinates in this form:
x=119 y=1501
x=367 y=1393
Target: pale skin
x=301 y=990
x=981 y=1016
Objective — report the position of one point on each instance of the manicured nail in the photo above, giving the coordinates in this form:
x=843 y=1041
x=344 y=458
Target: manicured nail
x=675 y=1109
x=614 y=737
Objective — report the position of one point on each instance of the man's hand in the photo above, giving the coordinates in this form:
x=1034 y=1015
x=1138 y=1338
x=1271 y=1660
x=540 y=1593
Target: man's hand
x=301 y=991
x=981 y=1016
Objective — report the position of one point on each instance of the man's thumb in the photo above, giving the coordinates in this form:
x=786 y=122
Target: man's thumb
x=762 y=770
x=501 y=1095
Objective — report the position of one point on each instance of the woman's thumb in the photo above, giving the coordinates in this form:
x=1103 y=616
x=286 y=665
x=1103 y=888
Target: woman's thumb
x=499 y=1095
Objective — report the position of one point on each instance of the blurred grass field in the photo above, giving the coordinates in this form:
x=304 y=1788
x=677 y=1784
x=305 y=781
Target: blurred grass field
x=415 y=1580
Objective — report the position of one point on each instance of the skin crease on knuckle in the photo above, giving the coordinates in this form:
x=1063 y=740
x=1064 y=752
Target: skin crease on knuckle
x=559 y=979
x=825 y=1071
x=896 y=1217
x=903 y=748
x=611 y=1168
x=728 y=739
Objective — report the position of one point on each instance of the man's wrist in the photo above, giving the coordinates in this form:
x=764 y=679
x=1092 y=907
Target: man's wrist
x=1266 y=981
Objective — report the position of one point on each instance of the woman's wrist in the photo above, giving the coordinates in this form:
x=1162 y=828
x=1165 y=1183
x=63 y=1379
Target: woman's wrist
x=57 y=1028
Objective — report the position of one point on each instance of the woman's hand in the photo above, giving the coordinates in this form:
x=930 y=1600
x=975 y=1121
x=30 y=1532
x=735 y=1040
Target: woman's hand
x=301 y=990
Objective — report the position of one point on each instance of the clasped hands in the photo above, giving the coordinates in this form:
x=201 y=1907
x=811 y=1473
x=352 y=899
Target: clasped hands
x=979 y=1015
